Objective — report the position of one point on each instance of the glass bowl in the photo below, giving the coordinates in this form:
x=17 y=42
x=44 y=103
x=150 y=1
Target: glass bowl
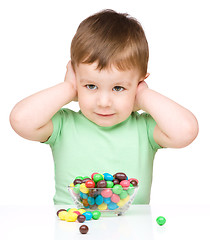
x=107 y=200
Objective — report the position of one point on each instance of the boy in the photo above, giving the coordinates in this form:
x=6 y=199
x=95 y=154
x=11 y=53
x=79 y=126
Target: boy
x=109 y=57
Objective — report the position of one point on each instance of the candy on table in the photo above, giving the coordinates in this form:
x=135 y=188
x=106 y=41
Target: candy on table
x=71 y=217
x=81 y=218
x=83 y=229
x=60 y=210
x=80 y=215
x=104 y=191
x=96 y=215
x=161 y=220
x=62 y=215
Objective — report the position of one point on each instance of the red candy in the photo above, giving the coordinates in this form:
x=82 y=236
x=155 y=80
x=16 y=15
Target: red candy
x=77 y=212
x=115 y=198
x=90 y=184
x=125 y=184
x=106 y=193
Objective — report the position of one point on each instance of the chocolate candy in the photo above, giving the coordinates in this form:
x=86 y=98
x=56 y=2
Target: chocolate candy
x=85 y=180
x=94 y=192
x=81 y=218
x=101 y=184
x=77 y=181
x=83 y=229
x=134 y=182
x=116 y=181
x=120 y=176
x=60 y=211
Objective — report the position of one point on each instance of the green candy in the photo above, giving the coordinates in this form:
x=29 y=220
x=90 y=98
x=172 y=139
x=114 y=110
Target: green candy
x=161 y=220
x=76 y=188
x=123 y=194
x=130 y=191
x=85 y=177
x=110 y=184
x=96 y=215
x=97 y=177
x=117 y=189
x=79 y=177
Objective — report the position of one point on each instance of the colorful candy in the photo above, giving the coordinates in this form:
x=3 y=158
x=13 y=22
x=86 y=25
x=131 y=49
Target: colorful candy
x=104 y=191
x=80 y=215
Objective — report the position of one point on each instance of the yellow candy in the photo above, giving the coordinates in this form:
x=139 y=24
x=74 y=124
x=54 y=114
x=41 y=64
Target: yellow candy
x=71 y=185
x=71 y=217
x=126 y=199
x=81 y=210
x=121 y=203
x=71 y=210
x=62 y=215
x=83 y=188
x=102 y=206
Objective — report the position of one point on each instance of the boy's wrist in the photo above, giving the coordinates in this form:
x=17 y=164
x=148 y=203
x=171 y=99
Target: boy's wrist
x=141 y=94
x=144 y=99
x=69 y=91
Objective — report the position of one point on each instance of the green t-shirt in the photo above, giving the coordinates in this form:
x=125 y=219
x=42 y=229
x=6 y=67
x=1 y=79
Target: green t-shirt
x=81 y=147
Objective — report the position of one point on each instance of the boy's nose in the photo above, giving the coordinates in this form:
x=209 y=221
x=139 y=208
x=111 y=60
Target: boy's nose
x=104 y=100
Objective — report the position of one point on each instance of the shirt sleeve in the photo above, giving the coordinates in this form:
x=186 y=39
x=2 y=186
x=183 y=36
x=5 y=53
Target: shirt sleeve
x=150 y=122
x=57 y=121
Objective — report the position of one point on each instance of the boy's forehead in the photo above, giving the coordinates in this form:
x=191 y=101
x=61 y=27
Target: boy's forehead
x=90 y=72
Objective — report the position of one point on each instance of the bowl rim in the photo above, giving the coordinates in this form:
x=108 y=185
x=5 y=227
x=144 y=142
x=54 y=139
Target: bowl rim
x=71 y=187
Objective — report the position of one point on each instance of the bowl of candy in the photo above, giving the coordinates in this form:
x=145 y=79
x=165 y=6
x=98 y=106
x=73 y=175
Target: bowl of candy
x=110 y=194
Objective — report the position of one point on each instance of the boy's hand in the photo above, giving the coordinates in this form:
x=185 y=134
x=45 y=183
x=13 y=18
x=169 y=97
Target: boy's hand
x=70 y=77
x=142 y=86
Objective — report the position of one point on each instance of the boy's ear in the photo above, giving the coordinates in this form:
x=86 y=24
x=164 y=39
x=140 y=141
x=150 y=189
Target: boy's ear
x=143 y=78
x=146 y=76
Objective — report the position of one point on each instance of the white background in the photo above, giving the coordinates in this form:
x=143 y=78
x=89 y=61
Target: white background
x=34 y=50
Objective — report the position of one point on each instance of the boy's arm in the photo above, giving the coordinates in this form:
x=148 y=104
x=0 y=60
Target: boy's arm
x=176 y=126
x=31 y=117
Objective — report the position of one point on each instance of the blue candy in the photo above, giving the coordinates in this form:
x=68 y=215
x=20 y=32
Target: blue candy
x=91 y=200
x=108 y=177
x=112 y=206
x=99 y=200
x=83 y=195
x=88 y=215
x=107 y=200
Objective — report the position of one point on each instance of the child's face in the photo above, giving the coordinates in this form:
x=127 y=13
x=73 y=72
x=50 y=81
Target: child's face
x=106 y=97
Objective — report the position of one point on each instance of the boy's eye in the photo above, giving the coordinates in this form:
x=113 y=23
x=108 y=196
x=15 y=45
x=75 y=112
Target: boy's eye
x=118 y=88
x=91 y=86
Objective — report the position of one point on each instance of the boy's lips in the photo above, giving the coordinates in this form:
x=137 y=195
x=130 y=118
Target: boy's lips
x=105 y=115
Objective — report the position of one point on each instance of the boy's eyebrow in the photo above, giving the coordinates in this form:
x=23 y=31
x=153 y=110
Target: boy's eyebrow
x=83 y=80
x=123 y=83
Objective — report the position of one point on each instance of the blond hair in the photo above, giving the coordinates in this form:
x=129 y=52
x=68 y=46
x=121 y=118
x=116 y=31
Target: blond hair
x=111 y=38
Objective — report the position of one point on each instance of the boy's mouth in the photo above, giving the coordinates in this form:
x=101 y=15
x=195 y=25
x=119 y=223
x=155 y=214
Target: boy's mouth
x=105 y=115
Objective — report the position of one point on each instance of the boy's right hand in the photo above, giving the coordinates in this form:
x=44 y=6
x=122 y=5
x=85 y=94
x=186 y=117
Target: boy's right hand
x=70 y=77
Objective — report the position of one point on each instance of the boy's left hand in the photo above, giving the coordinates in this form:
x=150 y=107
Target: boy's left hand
x=138 y=104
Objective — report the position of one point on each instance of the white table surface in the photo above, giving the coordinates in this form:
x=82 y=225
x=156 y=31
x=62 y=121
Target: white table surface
x=41 y=222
